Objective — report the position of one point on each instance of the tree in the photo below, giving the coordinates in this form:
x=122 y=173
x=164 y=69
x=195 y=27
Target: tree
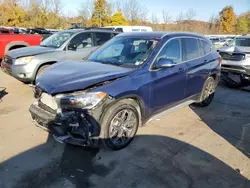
x=134 y=11
x=100 y=16
x=243 y=24
x=87 y=9
x=118 y=19
x=227 y=19
x=166 y=17
x=190 y=14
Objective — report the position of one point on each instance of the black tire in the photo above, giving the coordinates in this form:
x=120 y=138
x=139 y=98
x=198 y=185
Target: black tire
x=41 y=70
x=208 y=91
x=229 y=82
x=108 y=118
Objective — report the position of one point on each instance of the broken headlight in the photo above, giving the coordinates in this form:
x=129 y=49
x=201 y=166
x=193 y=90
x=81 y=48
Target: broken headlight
x=80 y=100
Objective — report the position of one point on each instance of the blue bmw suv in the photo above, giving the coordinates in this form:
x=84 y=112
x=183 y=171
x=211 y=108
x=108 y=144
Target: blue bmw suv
x=130 y=79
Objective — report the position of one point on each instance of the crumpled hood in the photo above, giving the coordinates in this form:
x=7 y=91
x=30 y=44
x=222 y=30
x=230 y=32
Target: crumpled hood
x=236 y=49
x=71 y=76
x=29 y=51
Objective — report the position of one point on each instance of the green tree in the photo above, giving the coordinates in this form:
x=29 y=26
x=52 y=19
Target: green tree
x=227 y=19
x=100 y=16
x=118 y=19
x=242 y=25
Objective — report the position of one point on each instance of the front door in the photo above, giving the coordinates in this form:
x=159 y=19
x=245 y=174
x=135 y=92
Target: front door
x=169 y=84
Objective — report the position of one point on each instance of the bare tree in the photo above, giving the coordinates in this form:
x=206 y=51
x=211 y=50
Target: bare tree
x=87 y=9
x=154 y=19
x=56 y=6
x=190 y=14
x=116 y=5
x=166 y=17
x=179 y=21
x=134 y=11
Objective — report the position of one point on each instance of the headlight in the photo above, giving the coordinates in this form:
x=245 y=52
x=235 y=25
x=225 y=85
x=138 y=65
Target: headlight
x=24 y=60
x=80 y=100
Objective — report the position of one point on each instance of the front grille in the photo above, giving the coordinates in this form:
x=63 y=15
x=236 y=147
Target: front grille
x=8 y=60
x=233 y=67
x=232 y=56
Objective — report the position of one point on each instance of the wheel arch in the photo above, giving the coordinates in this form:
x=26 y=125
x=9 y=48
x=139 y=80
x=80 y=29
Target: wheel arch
x=15 y=44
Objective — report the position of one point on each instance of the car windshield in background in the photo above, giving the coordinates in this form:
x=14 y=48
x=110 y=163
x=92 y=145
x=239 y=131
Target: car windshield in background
x=57 y=39
x=242 y=42
x=126 y=52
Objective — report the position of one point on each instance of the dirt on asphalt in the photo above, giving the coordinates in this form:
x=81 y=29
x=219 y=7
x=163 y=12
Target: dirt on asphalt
x=191 y=147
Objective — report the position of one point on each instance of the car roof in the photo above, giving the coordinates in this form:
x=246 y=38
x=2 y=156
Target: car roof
x=161 y=34
x=92 y=30
x=243 y=37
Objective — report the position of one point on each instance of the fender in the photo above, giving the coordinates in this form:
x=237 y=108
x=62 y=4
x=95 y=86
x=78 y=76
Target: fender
x=15 y=43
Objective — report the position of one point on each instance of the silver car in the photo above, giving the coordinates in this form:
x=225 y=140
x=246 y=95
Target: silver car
x=235 y=67
x=26 y=64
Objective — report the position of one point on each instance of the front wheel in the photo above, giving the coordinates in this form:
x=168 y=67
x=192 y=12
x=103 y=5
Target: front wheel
x=208 y=91
x=119 y=125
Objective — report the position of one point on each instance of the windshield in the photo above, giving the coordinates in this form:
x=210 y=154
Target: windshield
x=127 y=52
x=242 y=42
x=57 y=39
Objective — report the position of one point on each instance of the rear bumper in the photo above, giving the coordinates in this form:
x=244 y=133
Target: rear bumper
x=236 y=69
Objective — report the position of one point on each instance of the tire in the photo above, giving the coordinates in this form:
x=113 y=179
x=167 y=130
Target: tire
x=208 y=91
x=41 y=70
x=111 y=117
x=229 y=82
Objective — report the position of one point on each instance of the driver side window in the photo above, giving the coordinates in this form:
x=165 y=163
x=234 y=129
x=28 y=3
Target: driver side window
x=172 y=50
x=80 y=41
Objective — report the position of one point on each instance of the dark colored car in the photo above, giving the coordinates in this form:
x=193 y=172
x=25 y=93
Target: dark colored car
x=129 y=80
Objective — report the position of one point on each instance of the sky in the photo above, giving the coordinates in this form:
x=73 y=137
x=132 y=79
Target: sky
x=203 y=8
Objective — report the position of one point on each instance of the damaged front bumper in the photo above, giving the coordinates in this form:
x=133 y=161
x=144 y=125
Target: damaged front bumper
x=75 y=126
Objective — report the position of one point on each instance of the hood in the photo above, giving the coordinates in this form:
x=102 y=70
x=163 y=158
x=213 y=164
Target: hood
x=73 y=76
x=29 y=51
x=236 y=49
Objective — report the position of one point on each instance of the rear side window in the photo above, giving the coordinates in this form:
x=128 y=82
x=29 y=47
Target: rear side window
x=206 y=46
x=190 y=49
x=101 y=38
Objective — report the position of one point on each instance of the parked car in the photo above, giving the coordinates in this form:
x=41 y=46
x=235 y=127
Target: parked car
x=129 y=28
x=123 y=84
x=236 y=62
x=28 y=63
x=14 y=41
x=5 y=31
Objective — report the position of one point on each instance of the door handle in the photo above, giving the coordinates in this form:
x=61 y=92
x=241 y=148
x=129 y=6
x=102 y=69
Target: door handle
x=181 y=70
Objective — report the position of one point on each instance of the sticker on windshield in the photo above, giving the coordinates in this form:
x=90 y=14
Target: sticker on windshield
x=138 y=62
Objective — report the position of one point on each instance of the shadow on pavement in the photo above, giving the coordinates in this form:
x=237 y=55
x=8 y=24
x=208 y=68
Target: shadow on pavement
x=150 y=161
x=3 y=92
x=229 y=116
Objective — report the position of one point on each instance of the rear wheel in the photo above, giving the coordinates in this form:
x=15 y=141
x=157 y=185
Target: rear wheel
x=208 y=91
x=119 y=125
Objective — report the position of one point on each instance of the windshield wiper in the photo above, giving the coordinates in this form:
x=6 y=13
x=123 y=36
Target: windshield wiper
x=110 y=63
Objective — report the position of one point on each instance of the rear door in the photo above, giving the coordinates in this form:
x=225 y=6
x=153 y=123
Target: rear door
x=169 y=84
x=197 y=65
x=84 y=46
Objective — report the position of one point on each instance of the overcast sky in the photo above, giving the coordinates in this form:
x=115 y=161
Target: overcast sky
x=204 y=8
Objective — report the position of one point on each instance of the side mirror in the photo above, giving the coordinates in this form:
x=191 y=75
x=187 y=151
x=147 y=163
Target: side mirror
x=164 y=63
x=72 y=46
